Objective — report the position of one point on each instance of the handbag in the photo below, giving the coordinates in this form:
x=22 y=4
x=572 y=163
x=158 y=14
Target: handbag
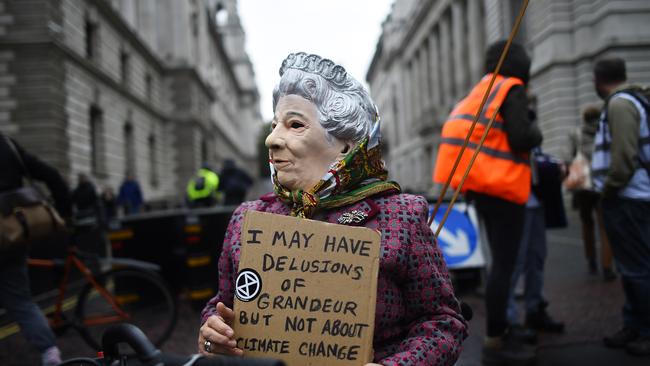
x=25 y=215
x=579 y=175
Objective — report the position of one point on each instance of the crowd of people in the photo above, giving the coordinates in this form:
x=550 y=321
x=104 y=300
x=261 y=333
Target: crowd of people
x=517 y=192
x=324 y=167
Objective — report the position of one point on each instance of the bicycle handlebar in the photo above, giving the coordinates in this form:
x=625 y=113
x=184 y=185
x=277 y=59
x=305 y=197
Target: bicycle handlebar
x=174 y=360
x=148 y=355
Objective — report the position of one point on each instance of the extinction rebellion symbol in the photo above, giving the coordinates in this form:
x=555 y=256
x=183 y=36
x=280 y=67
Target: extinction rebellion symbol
x=248 y=284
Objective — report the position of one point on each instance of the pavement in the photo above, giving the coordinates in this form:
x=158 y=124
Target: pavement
x=589 y=306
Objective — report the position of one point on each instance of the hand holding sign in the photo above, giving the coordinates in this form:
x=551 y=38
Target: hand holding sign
x=306 y=290
x=216 y=334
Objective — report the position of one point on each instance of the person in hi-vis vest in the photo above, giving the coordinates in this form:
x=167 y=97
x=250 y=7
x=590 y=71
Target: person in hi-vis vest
x=499 y=182
x=202 y=188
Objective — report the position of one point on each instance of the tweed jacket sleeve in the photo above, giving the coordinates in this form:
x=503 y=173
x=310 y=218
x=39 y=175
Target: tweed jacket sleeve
x=227 y=264
x=432 y=329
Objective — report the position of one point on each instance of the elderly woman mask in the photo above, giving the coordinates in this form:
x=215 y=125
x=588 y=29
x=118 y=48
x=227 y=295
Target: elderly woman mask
x=299 y=147
x=326 y=165
x=324 y=146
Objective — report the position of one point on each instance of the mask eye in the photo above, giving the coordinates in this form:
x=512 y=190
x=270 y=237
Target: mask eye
x=297 y=125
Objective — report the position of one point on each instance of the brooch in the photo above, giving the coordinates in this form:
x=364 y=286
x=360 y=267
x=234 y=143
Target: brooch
x=354 y=216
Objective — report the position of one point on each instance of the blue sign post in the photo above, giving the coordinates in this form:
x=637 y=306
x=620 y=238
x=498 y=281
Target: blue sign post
x=459 y=239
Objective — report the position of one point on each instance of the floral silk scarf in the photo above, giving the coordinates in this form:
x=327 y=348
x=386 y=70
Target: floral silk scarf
x=360 y=174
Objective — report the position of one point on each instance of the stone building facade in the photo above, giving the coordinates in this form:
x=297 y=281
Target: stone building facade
x=431 y=52
x=106 y=88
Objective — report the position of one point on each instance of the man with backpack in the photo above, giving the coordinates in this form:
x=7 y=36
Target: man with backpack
x=621 y=172
x=15 y=165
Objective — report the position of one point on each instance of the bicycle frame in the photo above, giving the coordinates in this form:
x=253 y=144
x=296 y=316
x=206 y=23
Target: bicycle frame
x=70 y=261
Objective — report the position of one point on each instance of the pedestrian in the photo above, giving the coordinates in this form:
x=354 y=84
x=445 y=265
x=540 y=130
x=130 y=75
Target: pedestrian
x=85 y=201
x=418 y=318
x=532 y=250
x=499 y=183
x=202 y=188
x=130 y=195
x=109 y=203
x=621 y=173
x=234 y=183
x=15 y=296
x=585 y=199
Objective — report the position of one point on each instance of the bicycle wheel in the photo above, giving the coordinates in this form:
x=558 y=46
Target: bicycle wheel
x=143 y=297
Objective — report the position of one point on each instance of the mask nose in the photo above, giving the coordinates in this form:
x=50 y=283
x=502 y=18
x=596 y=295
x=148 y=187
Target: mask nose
x=274 y=140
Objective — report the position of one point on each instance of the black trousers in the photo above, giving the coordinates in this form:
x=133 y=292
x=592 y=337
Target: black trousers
x=504 y=223
x=627 y=223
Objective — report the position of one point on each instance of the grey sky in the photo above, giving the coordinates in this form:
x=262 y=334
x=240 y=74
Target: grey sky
x=345 y=31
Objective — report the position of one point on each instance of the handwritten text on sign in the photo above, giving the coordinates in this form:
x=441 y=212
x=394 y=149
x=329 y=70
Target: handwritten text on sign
x=306 y=290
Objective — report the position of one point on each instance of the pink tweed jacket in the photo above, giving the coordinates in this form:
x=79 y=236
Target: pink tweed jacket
x=417 y=319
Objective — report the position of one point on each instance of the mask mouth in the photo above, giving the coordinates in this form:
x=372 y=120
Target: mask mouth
x=279 y=164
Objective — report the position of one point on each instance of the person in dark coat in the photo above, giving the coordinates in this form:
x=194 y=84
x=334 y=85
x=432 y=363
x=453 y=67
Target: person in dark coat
x=85 y=200
x=109 y=203
x=234 y=183
x=130 y=196
x=15 y=296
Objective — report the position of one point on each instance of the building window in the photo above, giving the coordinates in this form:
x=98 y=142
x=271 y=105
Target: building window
x=91 y=29
x=153 y=165
x=129 y=149
x=194 y=21
x=396 y=116
x=97 y=141
x=522 y=34
x=125 y=67
x=148 y=86
x=204 y=151
x=220 y=15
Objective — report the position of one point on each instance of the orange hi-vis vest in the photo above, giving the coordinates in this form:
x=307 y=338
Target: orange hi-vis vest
x=497 y=170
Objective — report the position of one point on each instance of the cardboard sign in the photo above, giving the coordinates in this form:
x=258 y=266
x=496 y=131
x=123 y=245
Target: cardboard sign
x=306 y=290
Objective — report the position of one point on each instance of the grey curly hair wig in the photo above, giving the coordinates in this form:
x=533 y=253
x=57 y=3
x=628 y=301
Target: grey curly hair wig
x=344 y=107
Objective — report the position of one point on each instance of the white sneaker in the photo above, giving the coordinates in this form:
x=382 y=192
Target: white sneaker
x=51 y=356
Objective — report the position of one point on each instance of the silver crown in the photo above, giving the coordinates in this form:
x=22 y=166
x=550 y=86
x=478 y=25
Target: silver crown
x=315 y=65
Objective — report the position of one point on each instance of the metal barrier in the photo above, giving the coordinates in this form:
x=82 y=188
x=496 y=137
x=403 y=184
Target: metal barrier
x=185 y=243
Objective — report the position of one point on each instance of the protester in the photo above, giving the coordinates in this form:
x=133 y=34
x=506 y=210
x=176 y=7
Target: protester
x=234 y=183
x=585 y=199
x=532 y=251
x=621 y=173
x=130 y=195
x=15 y=296
x=499 y=183
x=326 y=128
x=202 y=188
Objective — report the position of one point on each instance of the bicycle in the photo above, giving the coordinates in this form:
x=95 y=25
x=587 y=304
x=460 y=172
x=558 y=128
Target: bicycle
x=124 y=291
x=146 y=354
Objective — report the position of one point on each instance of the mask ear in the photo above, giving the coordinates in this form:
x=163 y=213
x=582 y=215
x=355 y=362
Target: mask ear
x=345 y=150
